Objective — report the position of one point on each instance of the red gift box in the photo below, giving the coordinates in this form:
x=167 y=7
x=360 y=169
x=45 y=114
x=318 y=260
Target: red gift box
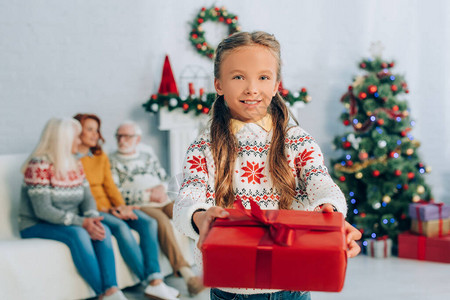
x=276 y=249
x=424 y=248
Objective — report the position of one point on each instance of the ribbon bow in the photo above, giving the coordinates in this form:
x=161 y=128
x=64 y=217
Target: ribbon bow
x=281 y=234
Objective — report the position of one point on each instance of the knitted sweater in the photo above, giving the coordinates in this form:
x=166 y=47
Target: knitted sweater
x=103 y=188
x=56 y=200
x=252 y=180
x=136 y=173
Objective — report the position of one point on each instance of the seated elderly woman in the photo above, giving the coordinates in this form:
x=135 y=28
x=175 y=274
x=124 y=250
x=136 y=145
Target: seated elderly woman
x=56 y=204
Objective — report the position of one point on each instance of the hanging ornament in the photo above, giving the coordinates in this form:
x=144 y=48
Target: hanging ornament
x=362 y=95
x=410 y=175
x=428 y=169
x=372 y=89
x=395 y=108
x=363 y=65
x=405 y=187
x=394 y=88
x=420 y=189
x=346 y=145
x=397 y=173
x=349 y=163
x=380 y=122
x=205 y=110
x=359 y=175
x=386 y=199
x=354 y=140
x=416 y=198
x=384 y=65
x=363 y=155
x=391 y=65
x=376 y=173
x=376 y=206
x=185 y=106
x=346 y=122
x=409 y=151
x=154 y=107
x=382 y=143
x=342 y=178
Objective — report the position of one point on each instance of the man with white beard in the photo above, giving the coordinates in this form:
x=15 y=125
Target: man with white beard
x=143 y=182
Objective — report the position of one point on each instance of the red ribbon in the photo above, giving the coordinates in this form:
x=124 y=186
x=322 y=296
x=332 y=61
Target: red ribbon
x=423 y=203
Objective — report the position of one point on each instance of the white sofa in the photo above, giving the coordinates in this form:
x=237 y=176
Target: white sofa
x=43 y=269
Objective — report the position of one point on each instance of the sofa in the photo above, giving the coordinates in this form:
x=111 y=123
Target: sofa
x=43 y=269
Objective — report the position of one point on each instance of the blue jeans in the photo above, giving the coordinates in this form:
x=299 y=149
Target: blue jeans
x=217 y=294
x=142 y=259
x=93 y=259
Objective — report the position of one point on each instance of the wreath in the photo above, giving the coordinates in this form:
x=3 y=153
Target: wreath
x=214 y=14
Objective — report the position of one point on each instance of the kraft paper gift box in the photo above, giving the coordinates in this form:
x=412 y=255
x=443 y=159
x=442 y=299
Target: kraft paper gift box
x=379 y=248
x=424 y=248
x=426 y=211
x=276 y=249
x=431 y=228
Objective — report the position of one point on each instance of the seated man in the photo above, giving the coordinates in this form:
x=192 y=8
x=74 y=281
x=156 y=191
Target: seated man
x=141 y=180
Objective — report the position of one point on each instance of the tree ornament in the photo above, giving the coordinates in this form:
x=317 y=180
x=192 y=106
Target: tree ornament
x=173 y=102
x=185 y=106
x=358 y=125
x=346 y=145
x=394 y=88
x=392 y=154
x=416 y=198
x=395 y=108
x=386 y=199
x=155 y=107
x=349 y=163
x=359 y=175
x=391 y=65
x=363 y=65
x=420 y=189
x=362 y=95
x=380 y=122
x=428 y=169
x=376 y=205
x=382 y=143
x=409 y=151
x=384 y=65
x=342 y=178
x=397 y=173
x=363 y=155
x=405 y=187
x=410 y=175
x=346 y=122
x=376 y=173
x=372 y=89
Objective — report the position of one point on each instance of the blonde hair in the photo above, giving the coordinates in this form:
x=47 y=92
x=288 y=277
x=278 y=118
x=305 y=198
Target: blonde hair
x=223 y=142
x=56 y=143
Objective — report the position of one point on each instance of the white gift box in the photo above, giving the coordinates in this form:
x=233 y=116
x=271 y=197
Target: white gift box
x=381 y=248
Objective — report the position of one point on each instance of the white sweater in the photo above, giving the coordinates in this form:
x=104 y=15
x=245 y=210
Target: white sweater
x=314 y=186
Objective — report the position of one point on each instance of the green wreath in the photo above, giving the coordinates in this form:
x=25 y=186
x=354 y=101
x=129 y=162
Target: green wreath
x=214 y=14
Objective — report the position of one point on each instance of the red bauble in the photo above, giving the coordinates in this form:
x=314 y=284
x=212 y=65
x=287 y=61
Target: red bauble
x=363 y=215
x=236 y=17
x=362 y=95
x=216 y=8
x=397 y=172
x=194 y=36
x=349 y=163
x=405 y=187
x=403 y=133
x=376 y=173
x=346 y=122
x=363 y=155
x=395 y=108
x=342 y=178
x=384 y=65
x=391 y=65
x=199 y=46
x=200 y=20
x=411 y=175
x=392 y=154
x=350 y=87
x=203 y=8
x=229 y=21
x=303 y=90
x=407 y=91
x=185 y=106
x=284 y=93
x=403 y=216
x=363 y=65
x=205 y=110
x=154 y=96
x=346 y=144
x=380 y=121
x=372 y=89
x=394 y=88
x=221 y=19
x=361 y=230
x=420 y=165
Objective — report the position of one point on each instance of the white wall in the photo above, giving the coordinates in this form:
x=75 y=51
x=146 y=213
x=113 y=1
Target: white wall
x=58 y=58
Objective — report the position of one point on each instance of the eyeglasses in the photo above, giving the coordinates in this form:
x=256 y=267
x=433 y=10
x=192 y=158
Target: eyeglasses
x=125 y=136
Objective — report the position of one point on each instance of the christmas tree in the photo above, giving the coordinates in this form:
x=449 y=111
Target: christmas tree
x=379 y=171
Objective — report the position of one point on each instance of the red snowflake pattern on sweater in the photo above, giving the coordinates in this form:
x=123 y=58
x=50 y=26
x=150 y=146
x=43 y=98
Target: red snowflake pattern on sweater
x=253 y=172
x=198 y=163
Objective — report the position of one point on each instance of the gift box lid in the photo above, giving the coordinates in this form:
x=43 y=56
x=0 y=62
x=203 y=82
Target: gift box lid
x=429 y=211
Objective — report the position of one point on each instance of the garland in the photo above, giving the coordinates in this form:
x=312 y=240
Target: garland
x=214 y=14
x=202 y=103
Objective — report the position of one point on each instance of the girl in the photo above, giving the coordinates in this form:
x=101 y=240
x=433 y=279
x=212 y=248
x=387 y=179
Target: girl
x=56 y=204
x=252 y=152
x=142 y=258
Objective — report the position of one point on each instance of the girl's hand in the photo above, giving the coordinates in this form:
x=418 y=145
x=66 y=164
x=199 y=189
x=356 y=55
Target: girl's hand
x=158 y=194
x=203 y=220
x=352 y=234
x=94 y=227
